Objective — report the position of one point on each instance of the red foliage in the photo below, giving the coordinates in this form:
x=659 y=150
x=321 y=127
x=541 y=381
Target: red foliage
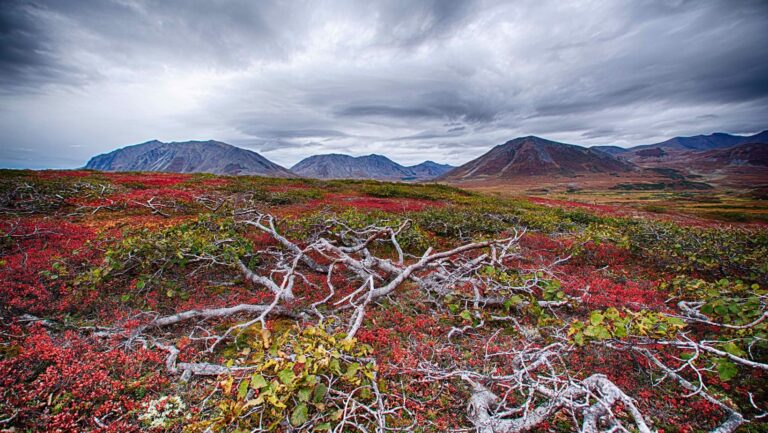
x=135 y=198
x=373 y=203
x=600 y=209
x=215 y=182
x=599 y=292
x=288 y=187
x=157 y=180
x=63 y=384
x=41 y=252
x=603 y=254
x=53 y=174
x=143 y=195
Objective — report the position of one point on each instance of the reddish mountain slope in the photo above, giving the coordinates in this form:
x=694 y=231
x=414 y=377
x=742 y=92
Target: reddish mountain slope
x=749 y=154
x=532 y=156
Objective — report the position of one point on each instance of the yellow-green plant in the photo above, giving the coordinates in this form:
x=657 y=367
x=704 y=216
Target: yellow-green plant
x=295 y=376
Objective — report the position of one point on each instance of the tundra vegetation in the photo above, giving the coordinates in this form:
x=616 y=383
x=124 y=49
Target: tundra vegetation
x=196 y=303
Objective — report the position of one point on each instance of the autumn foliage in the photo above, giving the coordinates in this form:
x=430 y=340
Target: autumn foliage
x=114 y=290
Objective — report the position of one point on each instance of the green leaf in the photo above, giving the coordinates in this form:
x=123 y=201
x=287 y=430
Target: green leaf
x=140 y=284
x=365 y=393
x=680 y=323
x=125 y=297
x=733 y=349
x=596 y=318
x=323 y=426
x=352 y=369
x=334 y=366
x=599 y=332
x=304 y=394
x=319 y=393
x=258 y=381
x=726 y=369
x=466 y=315
x=578 y=338
x=299 y=415
x=242 y=389
x=286 y=376
x=620 y=332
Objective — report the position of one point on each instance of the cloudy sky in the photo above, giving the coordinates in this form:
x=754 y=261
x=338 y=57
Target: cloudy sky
x=442 y=79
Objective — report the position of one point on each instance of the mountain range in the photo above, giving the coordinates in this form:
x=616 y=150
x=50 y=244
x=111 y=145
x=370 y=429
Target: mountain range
x=716 y=154
x=678 y=145
x=222 y=158
x=336 y=166
x=188 y=157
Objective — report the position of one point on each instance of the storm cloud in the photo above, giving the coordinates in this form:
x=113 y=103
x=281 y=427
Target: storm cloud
x=441 y=80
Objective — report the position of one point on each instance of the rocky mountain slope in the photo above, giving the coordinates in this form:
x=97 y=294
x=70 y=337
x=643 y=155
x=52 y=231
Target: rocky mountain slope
x=748 y=154
x=698 y=143
x=337 y=166
x=188 y=157
x=533 y=156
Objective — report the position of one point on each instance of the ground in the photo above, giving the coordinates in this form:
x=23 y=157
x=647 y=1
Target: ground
x=171 y=302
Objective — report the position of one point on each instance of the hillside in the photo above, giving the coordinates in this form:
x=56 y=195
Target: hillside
x=188 y=157
x=534 y=156
x=742 y=155
x=337 y=166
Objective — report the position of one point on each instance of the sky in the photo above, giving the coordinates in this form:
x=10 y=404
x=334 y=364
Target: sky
x=443 y=80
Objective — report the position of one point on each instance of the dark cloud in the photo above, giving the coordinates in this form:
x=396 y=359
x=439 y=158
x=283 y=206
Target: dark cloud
x=400 y=77
x=28 y=55
x=299 y=133
x=387 y=111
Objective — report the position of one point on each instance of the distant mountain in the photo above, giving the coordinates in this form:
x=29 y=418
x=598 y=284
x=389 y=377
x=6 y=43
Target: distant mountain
x=531 y=156
x=613 y=150
x=188 y=157
x=718 y=140
x=748 y=154
x=741 y=158
x=430 y=169
x=337 y=166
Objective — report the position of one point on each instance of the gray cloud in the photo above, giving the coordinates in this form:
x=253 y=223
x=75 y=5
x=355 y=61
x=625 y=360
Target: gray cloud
x=399 y=77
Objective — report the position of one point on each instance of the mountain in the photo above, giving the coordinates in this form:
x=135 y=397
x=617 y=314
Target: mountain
x=532 y=156
x=337 y=166
x=613 y=150
x=718 y=140
x=430 y=169
x=748 y=154
x=188 y=157
x=740 y=158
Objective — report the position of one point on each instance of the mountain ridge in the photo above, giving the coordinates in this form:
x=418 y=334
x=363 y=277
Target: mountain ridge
x=534 y=156
x=188 y=157
x=373 y=166
x=701 y=142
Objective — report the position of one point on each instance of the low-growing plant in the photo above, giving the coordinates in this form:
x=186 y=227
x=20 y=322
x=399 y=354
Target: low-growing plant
x=297 y=378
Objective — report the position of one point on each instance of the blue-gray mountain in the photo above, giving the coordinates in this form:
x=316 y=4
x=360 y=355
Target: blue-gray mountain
x=696 y=143
x=188 y=157
x=337 y=166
